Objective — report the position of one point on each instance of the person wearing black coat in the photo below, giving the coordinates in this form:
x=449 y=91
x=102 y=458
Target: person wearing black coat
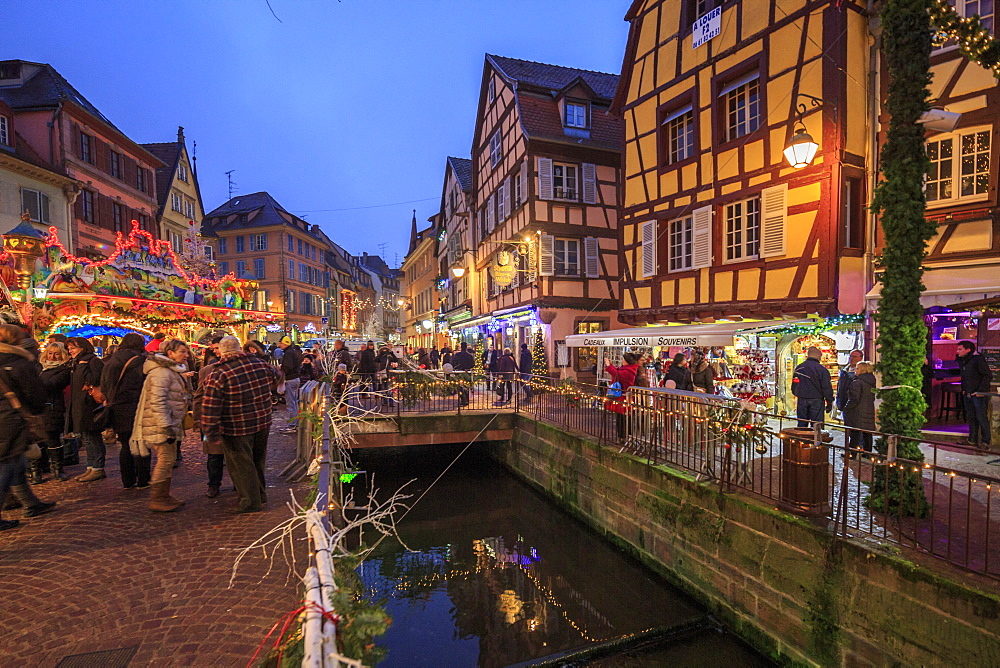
x=19 y=373
x=524 y=365
x=813 y=389
x=859 y=406
x=87 y=369
x=121 y=383
x=976 y=376
x=680 y=373
x=57 y=366
x=506 y=368
x=462 y=362
x=366 y=365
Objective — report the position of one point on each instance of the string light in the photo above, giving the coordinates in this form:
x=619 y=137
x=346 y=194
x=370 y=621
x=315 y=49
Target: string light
x=973 y=39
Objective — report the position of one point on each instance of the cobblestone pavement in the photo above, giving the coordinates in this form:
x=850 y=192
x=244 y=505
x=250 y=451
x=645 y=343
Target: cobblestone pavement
x=102 y=572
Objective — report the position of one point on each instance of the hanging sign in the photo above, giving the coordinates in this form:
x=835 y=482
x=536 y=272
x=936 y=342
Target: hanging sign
x=706 y=27
x=503 y=270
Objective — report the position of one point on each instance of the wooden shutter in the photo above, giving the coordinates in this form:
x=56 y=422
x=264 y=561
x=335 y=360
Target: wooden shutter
x=491 y=214
x=592 y=257
x=74 y=132
x=774 y=211
x=101 y=149
x=506 y=197
x=546 y=253
x=589 y=183
x=523 y=178
x=648 y=249
x=149 y=183
x=701 y=238
x=544 y=178
x=129 y=167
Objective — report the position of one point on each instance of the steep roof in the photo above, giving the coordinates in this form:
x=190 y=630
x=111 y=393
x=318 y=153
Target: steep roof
x=463 y=172
x=265 y=210
x=46 y=88
x=554 y=77
x=168 y=153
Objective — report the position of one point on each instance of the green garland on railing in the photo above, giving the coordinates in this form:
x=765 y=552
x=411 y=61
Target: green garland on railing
x=973 y=38
x=742 y=431
x=899 y=198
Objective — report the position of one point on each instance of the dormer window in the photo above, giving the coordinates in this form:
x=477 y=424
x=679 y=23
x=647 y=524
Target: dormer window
x=575 y=115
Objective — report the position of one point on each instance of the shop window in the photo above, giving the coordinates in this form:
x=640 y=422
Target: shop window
x=586 y=356
x=853 y=215
x=960 y=166
x=677 y=136
x=741 y=104
x=681 y=248
x=742 y=230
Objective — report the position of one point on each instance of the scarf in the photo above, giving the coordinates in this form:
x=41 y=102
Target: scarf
x=52 y=364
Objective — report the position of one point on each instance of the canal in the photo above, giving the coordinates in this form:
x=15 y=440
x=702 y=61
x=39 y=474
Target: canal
x=491 y=573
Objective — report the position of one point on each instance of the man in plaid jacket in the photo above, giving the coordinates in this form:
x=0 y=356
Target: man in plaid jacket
x=236 y=411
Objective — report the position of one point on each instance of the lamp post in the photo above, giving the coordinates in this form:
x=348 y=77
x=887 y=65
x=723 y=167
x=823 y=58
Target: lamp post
x=25 y=244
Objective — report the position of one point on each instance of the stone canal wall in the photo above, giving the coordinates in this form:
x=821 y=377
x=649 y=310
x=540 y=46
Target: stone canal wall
x=789 y=588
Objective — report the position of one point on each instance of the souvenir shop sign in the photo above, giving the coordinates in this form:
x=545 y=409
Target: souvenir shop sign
x=684 y=340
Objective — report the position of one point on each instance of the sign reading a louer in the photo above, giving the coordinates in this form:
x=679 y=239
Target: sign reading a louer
x=706 y=27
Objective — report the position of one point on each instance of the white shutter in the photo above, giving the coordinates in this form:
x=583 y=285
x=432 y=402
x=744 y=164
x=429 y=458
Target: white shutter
x=701 y=238
x=491 y=214
x=506 y=197
x=546 y=254
x=523 y=178
x=774 y=211
x=592 y=257
x=648 y=249
x=589 y=183
x=544 y=178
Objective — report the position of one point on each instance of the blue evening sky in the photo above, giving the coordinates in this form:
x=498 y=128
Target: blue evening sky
x=341 y=105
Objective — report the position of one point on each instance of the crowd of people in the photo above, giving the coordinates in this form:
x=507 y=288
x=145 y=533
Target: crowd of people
x=62 y=396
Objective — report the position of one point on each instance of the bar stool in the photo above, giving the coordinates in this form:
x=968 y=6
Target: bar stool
x=951 y=401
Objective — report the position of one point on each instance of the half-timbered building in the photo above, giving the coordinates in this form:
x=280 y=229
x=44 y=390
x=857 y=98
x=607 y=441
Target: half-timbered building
x=545 y=165
x=458 y=289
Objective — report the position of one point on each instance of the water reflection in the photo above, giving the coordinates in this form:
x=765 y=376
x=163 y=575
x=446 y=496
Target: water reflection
x=495 y=575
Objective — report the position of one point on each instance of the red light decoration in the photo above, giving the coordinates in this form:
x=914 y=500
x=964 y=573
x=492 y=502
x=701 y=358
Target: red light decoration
x=156 y=247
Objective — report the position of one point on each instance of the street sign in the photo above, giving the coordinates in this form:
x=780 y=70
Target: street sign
x=706 y=27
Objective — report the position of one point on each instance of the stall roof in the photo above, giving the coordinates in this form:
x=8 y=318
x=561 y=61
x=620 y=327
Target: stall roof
x=700 y=334
x=953 y=286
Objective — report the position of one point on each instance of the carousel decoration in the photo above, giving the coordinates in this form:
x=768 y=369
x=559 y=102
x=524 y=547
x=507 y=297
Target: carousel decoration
x=25 y=245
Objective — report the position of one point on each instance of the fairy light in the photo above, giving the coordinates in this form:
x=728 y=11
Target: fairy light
x=971 y=36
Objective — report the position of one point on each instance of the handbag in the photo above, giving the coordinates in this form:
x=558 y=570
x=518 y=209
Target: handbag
x=36 y=426
x=33 y=452
x=188 y=422
x=102 y=414
x=615 y=390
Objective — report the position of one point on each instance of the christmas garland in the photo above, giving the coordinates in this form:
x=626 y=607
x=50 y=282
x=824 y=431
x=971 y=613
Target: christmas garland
x=973 y=38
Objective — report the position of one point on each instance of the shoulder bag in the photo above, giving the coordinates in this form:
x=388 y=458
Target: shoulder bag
x=36 y=426
x=102 y=415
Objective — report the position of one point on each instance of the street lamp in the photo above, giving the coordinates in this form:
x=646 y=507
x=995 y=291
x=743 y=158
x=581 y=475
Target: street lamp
x=25 y=244
x=458 y=272
x=801 y=150
x=427 y=324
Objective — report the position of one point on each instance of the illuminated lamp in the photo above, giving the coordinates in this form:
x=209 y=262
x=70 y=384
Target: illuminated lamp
x=801 y=150
x=427 y=324
x=25 y=244
x=458 y=272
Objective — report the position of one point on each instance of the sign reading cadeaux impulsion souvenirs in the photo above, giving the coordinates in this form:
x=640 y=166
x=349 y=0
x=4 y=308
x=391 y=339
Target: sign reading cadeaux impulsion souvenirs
x=706 y=27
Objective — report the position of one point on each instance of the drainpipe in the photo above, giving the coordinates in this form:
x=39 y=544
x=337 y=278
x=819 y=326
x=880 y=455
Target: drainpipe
x=874 y=84
x=51 y=126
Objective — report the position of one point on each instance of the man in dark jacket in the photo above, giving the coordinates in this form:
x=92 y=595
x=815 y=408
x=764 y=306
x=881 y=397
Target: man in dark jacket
x=976 y=377
x=121 y=384
x=341 y=355
x=291 y=366
x=846 y=376
x=524 y=365
x=366 y=365
x=463 y=361
x=812 y=387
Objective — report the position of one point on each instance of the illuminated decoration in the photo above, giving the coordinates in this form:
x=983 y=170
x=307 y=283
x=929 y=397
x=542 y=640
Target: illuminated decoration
x=25 y=245
x=503 y=269
x=348 y=477
x=41 y=292
x=349 y=310
x=538 y=362
x=973 y=39
x=274 y=328
x=310 y=327
x=848 y=321
x=441 y=283
x=458 y=272
x=802 y=149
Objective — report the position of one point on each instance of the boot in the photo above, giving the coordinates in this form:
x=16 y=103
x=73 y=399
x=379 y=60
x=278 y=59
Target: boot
x=91 y=475
x=35 y=472
x=159 y=497
x=213 y=491
x=55 y=463
x=86 y=473
x=33 y=506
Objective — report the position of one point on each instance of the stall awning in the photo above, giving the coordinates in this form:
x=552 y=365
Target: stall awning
x=948 y=286
x=701 y=334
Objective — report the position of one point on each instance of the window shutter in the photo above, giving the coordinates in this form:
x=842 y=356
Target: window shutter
x=648 y=249
x=506 y=197
x=546 y=253
x=589 y=183
x=544 y=178
x=523 y=178
x=491 y=214
x=74 y=133
x=128 y=170
x=701 y=238
x=592 y=257
x=774 y=205
x=101 y=155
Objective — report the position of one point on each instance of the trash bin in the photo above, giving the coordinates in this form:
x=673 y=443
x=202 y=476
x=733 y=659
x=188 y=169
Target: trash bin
x=805 y=473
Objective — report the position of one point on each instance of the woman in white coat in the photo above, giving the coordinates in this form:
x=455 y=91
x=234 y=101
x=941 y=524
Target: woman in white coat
x=159 y=420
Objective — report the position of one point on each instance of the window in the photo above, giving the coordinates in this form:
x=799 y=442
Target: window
x=176 y=242
x=86 y=148
x=4 y=131
x=496 y=149
x=188 y=209
x=300 y=246
x=223 y=268
x=564 y=181
x=36 y=204
x=118 y=217
x=115 y=164
x=258 y=267
x=209 y=254
x=291 y=270
x=519 y=187
x=491 y=90
x=87 y=205
x=501 y=199
x=586 y=357
x=680 y=243
x=241 y=267
x=742 y=229
x=303 y=273
x=258 y=242
x=701 y=7
x=223 y=242
x=742 y=106
x=291 y=301
x=853 y=214
x=182 y=172
x=244 y=217
x=965 y=153
x=146 y=224
x=678 y=133
x=566 y=253
x=140 y=179
x=240 y=244
x=291 y=244
x=984 y=9
x=575 y=115
x=176 y=202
